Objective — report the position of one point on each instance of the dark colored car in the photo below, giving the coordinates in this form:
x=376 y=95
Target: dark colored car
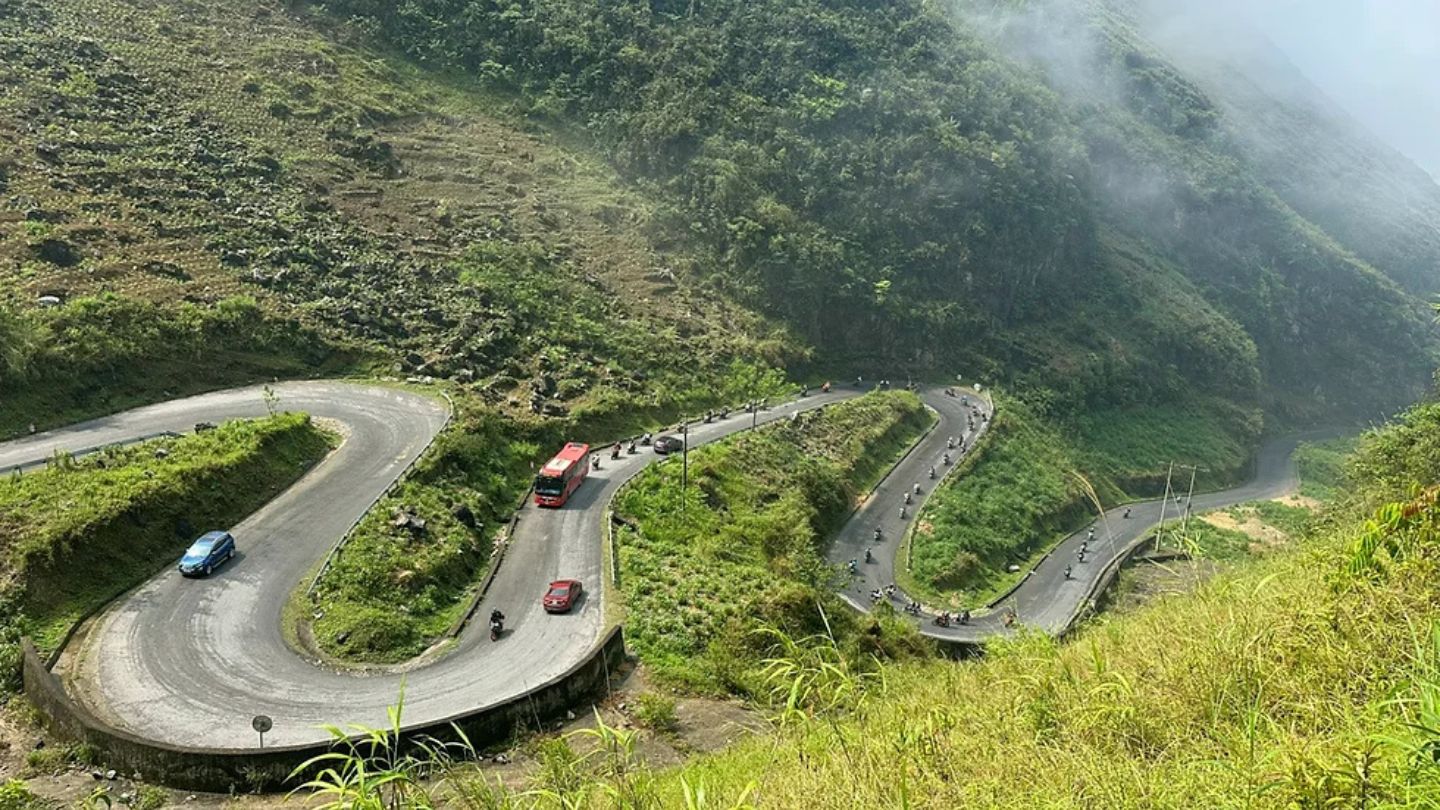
x=562 y=595
x=665 y=445
x=207 y=553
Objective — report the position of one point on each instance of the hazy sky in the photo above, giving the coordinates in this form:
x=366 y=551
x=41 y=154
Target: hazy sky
x=1379 y=59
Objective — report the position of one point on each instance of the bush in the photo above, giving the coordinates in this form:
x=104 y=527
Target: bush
x=656 y=711
x=15 y=795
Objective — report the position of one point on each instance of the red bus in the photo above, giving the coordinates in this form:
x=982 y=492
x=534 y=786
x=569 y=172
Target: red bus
x=562 y=475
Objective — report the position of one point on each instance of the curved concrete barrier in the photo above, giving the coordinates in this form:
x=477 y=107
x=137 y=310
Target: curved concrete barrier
x=224 y=770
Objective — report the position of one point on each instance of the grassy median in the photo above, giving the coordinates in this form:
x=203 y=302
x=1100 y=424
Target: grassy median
x=81 y=531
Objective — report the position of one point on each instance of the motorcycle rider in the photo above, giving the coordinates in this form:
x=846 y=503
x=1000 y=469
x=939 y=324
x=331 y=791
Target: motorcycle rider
x=497 y=623
x=869 y=558
x=877 y=533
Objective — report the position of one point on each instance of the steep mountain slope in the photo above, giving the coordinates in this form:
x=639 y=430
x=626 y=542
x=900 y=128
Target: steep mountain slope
x=1168 y=167
x=1373 y=200
x=205 y=154
x=581 y=195
x=900 y=190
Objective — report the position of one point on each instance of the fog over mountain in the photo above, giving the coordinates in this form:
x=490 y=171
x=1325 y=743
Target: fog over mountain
x=1376 y=58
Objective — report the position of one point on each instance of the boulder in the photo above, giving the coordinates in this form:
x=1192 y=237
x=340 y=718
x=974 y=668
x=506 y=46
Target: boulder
x=57 y=252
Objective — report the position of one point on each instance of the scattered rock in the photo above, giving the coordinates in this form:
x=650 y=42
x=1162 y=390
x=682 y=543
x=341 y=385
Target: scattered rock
x=112 y=774
x=57 y=252
x=462 y=513
x=48 y=301
x=409 y=522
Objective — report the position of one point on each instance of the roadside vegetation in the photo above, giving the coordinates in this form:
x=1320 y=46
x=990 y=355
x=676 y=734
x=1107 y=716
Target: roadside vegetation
x=100 y=354
x=81 y=531
x=1305 y=678
x=398 y=588
x=744 y=550
x=1038 y=478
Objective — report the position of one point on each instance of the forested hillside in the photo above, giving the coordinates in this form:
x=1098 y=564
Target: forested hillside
x=197 y=195
x=562 y=205
x=1375 y=201
x=907 y=185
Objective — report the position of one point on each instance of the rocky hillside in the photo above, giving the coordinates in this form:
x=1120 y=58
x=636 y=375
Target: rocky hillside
x=202 y=154
x=568 y=209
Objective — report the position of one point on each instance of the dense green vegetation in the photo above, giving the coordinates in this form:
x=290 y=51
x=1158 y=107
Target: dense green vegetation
x=1020 y=493
x=463 y=488
x=103 y=354
x=135 y=508
x=1322 y=466
x=891 y=182
x=305 y=186
x=744 y=551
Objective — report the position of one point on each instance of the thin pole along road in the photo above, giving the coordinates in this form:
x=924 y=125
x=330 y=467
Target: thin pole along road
x=190 y=662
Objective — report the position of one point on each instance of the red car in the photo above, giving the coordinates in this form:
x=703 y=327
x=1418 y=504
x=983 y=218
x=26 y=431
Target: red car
x=562 y=595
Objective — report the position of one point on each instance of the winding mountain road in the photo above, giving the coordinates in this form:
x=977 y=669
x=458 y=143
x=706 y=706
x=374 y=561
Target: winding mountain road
x=186 y=662
x=189 y=662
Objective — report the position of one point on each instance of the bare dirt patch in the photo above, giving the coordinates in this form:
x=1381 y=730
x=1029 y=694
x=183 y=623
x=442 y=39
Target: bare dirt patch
x=1248 y=523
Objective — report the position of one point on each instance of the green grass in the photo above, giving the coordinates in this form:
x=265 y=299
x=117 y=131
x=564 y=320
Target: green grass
x=1015 y=498
x=745 y=549
x=137 y=511
x=392 y=593
x=98 y=355
x=1322 y=467
x=1130 y=450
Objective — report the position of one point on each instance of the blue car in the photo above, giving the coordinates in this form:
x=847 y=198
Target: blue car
x=206 y=554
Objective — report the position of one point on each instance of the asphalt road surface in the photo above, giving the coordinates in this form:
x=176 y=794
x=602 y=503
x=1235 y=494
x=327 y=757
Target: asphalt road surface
x=190 y=662
x=1048 y=599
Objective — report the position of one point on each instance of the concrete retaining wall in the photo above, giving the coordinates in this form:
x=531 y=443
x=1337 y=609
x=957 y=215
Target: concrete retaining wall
x=241 y=769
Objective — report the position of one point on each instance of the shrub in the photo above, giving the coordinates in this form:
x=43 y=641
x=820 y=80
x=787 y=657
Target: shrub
x=656 y=711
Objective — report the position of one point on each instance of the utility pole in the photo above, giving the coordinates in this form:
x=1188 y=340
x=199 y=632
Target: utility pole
x=684 y=462
x=1189 y=501
x=1164 y=502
